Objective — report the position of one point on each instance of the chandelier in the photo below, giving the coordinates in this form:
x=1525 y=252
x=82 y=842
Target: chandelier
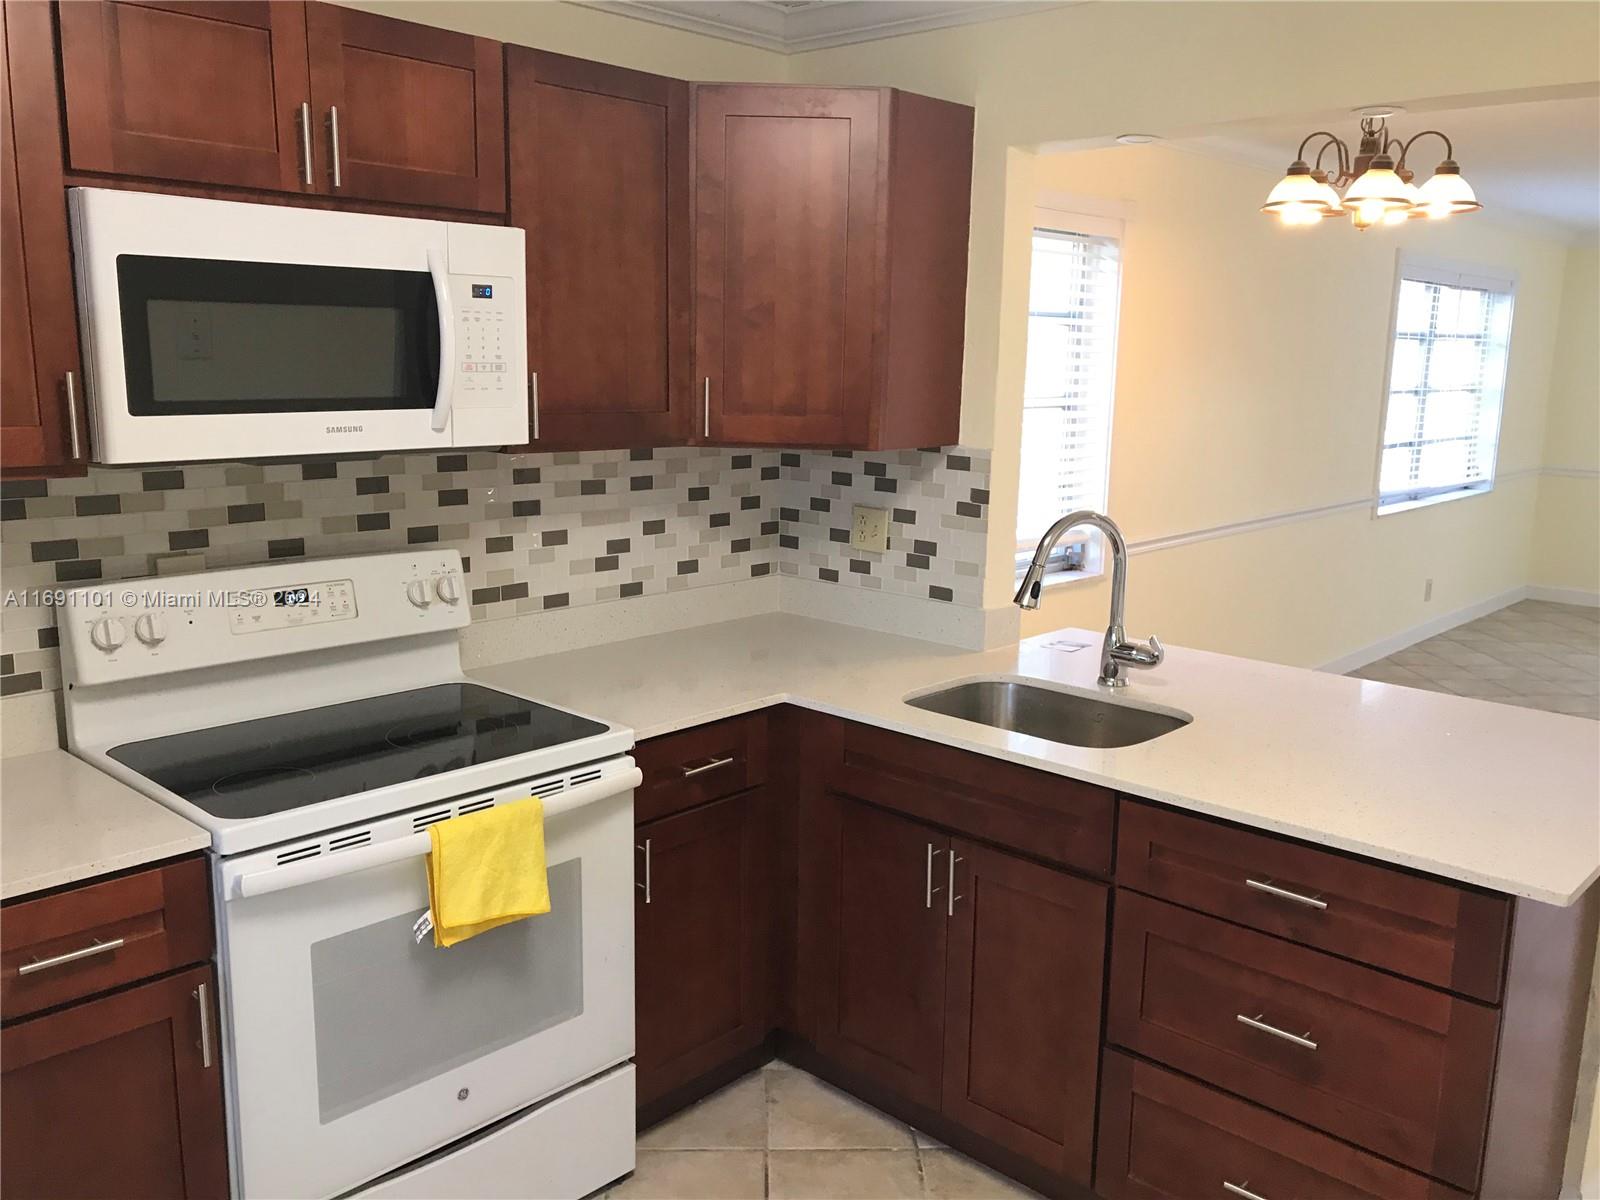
x=1377 y=183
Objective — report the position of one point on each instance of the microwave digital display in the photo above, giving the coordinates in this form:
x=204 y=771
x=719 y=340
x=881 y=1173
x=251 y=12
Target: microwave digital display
x=483 y=291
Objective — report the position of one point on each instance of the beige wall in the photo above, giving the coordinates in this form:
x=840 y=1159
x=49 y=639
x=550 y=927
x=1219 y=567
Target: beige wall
x=1251 y=371
x=590 y=33
x=1566 y=543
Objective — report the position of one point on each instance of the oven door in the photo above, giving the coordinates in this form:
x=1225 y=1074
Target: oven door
x=219 y=330
x=352 y=1047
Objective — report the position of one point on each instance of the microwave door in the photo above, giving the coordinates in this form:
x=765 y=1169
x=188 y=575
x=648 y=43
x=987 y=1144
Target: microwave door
x=254 y=359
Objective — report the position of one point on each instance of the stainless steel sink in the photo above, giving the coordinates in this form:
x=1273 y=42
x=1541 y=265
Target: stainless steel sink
x=1049 y=714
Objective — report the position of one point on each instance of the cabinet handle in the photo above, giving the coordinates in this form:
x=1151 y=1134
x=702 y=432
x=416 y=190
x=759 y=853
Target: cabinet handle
x=201 y=995
x=305 y=141
x=928 y=889
x=950 y=896
x=333 y=143
x=645 y=886
x=72 y=416
x=1256 y=1022
x=1242 y=1190
x=708 y=407
x=533 y=401
x=1272 y=889
x=71 y=956
x=691 y=772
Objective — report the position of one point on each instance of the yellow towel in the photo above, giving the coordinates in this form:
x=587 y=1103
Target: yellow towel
x=487 y=869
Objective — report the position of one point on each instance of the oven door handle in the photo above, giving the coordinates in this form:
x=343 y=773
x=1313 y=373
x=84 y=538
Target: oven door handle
x=348 y=862
x=447 y=340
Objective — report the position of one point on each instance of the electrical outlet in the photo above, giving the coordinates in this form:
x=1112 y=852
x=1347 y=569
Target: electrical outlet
x=869 y=529
x=1427 y=590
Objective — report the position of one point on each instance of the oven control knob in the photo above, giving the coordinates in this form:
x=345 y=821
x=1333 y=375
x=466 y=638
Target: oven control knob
x=448 y=589
x=108 y=633
x=151 y=629
x=418 y=592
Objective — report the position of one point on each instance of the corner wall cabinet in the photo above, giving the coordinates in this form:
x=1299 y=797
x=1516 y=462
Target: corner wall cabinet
x=1188 y=1009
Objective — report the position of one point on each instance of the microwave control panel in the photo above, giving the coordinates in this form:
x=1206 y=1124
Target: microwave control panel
x=486 y=322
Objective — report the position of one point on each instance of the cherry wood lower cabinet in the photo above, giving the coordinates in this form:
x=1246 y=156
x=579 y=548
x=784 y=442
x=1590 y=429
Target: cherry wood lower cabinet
x=111 y=1080
x=702 y=915
x=1166 y=1137
x=43 y=427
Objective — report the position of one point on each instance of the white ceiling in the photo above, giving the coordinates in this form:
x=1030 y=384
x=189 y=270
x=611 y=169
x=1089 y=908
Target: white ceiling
x=1537 y=159
x=790 y=26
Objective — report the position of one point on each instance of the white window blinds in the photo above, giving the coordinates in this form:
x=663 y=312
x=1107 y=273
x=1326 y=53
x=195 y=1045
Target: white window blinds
x=1446 y=382
x=1066 y=408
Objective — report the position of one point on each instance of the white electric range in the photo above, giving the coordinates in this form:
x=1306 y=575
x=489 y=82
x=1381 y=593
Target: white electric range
x=313 y=716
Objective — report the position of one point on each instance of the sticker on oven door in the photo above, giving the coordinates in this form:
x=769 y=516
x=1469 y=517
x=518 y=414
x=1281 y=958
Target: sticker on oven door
x=423 y=927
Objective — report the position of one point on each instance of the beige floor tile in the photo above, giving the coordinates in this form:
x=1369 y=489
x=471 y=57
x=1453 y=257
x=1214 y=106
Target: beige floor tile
x=695 y=1175
x=804 y=1113
x=844 y=1175
x=733 y=1119
x=947 y=1175
x=926 y=1141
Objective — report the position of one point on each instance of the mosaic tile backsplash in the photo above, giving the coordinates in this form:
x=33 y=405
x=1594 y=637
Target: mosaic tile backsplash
x=536 y=532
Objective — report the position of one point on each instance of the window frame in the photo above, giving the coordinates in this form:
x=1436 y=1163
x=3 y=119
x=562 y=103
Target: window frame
x=1070 y=215
x=1447 y=273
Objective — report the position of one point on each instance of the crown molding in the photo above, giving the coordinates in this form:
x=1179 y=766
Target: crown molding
x=774 y=27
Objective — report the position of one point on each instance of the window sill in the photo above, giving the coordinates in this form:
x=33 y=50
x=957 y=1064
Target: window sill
x=1388 y=510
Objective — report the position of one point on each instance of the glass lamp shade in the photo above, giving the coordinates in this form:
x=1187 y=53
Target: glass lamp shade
x=1379 y=190
x=1399 y=216
x=1447 y=193
x=1298 y=198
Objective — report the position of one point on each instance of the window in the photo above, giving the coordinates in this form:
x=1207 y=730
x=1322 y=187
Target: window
x=1066 y=406
x=1447 y=375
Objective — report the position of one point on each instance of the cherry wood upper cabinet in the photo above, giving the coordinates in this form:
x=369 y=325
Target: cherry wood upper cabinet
x=406 y=113
x=43 y=429
x=117 y=1096
x=830 y=265
x=600 y=180
x=1022 y=1030
x=208 y=92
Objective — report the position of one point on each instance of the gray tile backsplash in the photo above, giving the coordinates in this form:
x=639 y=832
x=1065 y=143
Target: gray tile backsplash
x=536 y=532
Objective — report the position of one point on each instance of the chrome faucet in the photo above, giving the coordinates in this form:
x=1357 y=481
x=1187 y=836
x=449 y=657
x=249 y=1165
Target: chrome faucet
x=1116 y=652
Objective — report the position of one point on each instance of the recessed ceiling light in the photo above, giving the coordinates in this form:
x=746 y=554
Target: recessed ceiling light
x=1136 y=139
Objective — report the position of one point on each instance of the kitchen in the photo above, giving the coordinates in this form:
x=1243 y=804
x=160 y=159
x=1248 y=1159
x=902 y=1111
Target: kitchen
x=865 y=880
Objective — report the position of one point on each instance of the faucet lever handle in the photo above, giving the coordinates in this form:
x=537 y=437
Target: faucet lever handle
x=1140 y=654
x=1157 y=651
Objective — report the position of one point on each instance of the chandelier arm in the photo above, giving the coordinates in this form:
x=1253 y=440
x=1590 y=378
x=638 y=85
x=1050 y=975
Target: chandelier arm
x=1321 y=133
x=1405 y=149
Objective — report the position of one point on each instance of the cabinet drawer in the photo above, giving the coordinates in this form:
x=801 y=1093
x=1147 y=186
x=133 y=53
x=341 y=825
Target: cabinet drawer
x=1045 y=815
x=1441 y=933
x=1393 y=1066
x=149 y=922
x=688 y=768
x=1164 y=1137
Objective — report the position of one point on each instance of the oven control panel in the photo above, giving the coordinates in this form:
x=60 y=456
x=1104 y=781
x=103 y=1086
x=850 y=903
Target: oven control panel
x=142 y=627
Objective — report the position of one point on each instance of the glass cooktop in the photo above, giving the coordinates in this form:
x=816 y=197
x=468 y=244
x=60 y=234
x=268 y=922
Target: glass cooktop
x=272 y=764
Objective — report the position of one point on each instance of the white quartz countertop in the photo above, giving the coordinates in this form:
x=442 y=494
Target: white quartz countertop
x=62 y=821
x=1503 y=797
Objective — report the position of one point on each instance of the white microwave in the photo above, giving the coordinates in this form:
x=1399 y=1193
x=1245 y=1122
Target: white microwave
x=219 y=330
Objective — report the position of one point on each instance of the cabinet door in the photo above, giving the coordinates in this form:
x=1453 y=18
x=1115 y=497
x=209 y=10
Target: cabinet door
x=788 y=233
x=886 y=1017
x=42 y=429
x=209 y=92
x=701 y=926
x=120 y=1096
x=600 y=181
x=406 y=113
x=1026 y=983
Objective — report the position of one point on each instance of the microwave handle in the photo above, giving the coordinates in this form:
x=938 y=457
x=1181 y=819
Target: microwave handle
x=447 y=340
x=348 y=862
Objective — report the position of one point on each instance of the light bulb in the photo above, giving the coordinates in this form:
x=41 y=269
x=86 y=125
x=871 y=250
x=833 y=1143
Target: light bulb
x=1300 y=214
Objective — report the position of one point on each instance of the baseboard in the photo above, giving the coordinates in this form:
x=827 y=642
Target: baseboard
x=1564 y=595
x=1395 y=642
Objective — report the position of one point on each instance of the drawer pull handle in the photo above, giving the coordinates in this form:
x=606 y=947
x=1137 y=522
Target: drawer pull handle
x=1298 y=1039
x=645 y=886
x=1272 y=889
x=202 y=997
x=1242 y=1190
x=71 y=956
x=691 y=772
